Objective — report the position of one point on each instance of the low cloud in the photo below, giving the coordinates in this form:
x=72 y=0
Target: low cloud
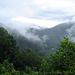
x=36 y=9
x=39 y=22
x=71 y=31
x=45 y=37
x=22 y=29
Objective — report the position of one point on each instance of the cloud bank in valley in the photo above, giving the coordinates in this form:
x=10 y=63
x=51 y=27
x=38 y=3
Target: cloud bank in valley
x=22 y=14
x=22 y=29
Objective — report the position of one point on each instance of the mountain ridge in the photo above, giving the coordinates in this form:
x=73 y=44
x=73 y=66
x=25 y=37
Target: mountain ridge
x=42 y=41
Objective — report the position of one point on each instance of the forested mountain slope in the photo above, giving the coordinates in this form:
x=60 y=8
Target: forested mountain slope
x=14 y=61
x=42 y=41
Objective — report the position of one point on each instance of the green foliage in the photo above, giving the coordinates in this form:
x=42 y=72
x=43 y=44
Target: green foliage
x=29 y=63
x=7 y=46
x=28 y=69
x=27 y=58
x=8 y=69
x=20 y=60
x=63 y=61
x=33 y=59
x=3 y=32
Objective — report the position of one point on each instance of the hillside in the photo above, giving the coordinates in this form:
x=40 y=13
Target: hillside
x=14 y=61
x=42 y=41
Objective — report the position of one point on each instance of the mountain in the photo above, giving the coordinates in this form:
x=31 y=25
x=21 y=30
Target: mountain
x=52 y=36
x=41 y=40
x=24 y=39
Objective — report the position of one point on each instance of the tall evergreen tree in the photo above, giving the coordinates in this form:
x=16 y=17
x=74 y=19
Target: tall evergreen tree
x=7 y=46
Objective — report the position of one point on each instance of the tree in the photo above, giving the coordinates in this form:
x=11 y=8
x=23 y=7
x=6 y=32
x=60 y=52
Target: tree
x=63 y=61
x=33 y=60
x=8 y=46
x=7 y=68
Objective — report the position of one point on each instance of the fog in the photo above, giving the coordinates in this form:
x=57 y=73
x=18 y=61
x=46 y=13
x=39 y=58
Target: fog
x=71 y=31
x=23 y=29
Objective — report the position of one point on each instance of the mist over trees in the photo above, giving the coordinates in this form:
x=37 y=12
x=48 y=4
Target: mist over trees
x=14 y=61
x=9 y=51
x=47 y=39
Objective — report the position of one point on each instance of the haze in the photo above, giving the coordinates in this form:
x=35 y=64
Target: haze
x=46 y=13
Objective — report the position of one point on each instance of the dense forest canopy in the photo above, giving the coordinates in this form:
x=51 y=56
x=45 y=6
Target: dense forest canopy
x=14 y=61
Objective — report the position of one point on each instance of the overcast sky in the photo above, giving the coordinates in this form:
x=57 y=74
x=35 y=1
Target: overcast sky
x=46 y=13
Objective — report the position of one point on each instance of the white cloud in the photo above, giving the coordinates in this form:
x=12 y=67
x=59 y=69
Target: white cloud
x=62 y=5
x=45 y=23
x=55 y=4
x=44 y=12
